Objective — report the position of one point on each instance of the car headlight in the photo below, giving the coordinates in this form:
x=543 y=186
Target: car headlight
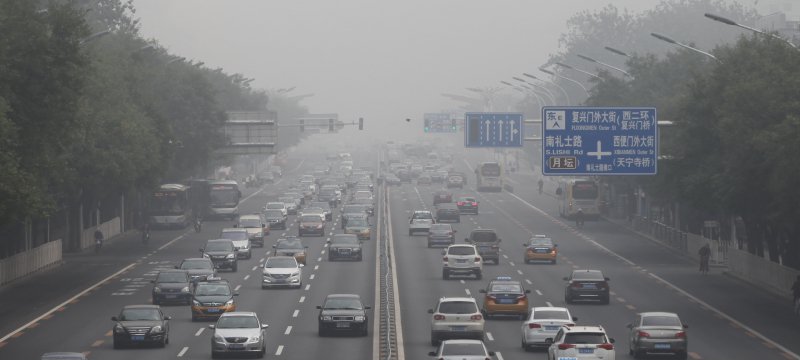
x=156 y=290
x=119 y=329
x=229 y=302
x=253 y=339
x=325 y=317
x=218 y=338
x=359 y=318
x=156 y=329
x=196 y=303
x=230 y=256
x=185 y=289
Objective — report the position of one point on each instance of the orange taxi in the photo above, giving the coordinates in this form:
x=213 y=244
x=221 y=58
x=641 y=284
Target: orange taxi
x=211 y=299
x=541 y=248
x=505 y=296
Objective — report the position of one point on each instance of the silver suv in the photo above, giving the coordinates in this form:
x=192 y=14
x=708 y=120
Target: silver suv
x=462 y=259
x=456 y=318
x=238 y=332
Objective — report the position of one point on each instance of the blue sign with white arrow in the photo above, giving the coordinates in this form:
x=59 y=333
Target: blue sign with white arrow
x=599 y=141
x=493 y=130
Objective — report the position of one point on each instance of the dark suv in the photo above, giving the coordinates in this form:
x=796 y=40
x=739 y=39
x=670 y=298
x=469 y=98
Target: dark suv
x=587 y=285
x=488 y=244
x=222 y=253
x=448 y=212
x=343 y=312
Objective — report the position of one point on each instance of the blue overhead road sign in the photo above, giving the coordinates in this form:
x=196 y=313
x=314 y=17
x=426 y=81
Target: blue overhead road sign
x=599 y=141
x=493 y=130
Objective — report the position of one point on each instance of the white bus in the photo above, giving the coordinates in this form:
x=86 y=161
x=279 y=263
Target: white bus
x=169 y=206
x=224 y=198
x=574 y=194
x=489 y=177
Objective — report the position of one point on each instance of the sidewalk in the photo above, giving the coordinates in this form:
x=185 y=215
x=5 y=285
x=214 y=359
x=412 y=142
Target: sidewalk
x=26 y=298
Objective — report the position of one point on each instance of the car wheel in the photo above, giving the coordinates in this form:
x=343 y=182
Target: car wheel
x=445 y=274
x=163 y=343
x=117 y=345
x=638 y=354
x=235 y=267
x=330 y=258
x=567 y=299
x=360 y=258
x=214 y=355
x=429 y=245
x=364 y=331
x=262 y=352
x=458 y=221
x=194 y=318
x=478 y=275
x=155 y=301
x=683 y=355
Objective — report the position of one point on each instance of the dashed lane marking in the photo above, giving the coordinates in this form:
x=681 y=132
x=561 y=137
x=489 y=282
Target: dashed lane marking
x=549 y=303
x=254 y=268
x=288 y=330
x=311 y=277
x=498 y=355
x=98 y=343
x=467 y=291
x=538 y=292
x=695 y=355
x=519 y=271
x=462 y=281
x=630 y=307
x=528 y=281
x=505 y=256
x=237 y=287
x=302 y=299
x=109 y=333
x=308 y=286
x=489 y=336
x=279 y=351
x=295 y=313
x=247 y=277
x=199 y=331
x=511 y=263
x=621 y=300
x=183 y=351
x=316 y=267
x=319 y=259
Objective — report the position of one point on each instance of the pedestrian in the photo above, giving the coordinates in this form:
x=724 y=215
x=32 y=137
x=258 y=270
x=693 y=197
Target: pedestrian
x=705 y=254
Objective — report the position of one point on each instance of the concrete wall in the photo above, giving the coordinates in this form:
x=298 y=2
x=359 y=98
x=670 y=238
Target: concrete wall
x=28 y=262
x=761 y=272
x=109 y=228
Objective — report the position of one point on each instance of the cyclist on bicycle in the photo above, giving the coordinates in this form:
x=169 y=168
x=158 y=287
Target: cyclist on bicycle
x=705 y=254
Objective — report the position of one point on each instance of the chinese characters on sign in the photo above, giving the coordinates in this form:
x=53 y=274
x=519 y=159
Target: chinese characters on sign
x=599 y=141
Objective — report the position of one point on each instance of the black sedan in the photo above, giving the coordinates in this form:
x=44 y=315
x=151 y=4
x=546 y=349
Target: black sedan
x=343 y=313
x=140 y=324
x=172 y=286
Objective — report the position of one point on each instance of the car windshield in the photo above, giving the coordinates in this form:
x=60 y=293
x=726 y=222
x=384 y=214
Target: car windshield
x=342 y=304
x=197 y=264
x=219 y=246
x=275 y=205
x=461 y=349
x=584 y=338
x=484 y=236
x=273 y=263
x=172 y=277
x=140 y=315
x=422 y=215
x=289 y=200
x=506 y=288
x=587 y=275
x=344 y=239
x=237 y=322
x=289 y=244
x=212 y=290
x=441 y=227
x=461 y=250
x=359 y=222
x=541 y=242
x=310 y=219
x=235 y=235
x=458 y=307
x=273 y=214
x=660 y=321
x=551 y=315
x=249 y=223
x=321 y=205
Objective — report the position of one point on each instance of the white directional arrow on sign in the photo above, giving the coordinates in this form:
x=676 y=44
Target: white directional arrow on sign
x=599 y=153
x=514 y=131
x=500 y=131
x=488 y=125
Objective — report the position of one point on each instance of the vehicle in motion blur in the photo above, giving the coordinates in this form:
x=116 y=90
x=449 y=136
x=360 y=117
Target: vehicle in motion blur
x=359 y=226
x=657 y=333
x=574 y=194
x=467 y=205
x=461 y=259
x=139 y=325
x=345 y=246
x=241 y=241
x=487 y=243
x=222 y=253
x=224 y=198
x=343 y=313
x=441 y=234
x=199 y=269
x=448 y=212
x=311 y=224
x=169 y=207
x=456 y=318
x=581 y=342
x=275 y=218
x=256 y=228
x=238 y=333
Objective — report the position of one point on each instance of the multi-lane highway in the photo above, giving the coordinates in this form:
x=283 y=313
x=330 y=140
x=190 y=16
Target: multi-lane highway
x=727 y=319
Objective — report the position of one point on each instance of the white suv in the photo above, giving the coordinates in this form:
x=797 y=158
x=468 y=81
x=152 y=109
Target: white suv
x=581 y=342
x=277 y=205
x=462 y=259
x=456 y=318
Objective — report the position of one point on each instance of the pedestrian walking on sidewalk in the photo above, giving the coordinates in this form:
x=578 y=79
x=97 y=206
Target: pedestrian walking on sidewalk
x=705 y=255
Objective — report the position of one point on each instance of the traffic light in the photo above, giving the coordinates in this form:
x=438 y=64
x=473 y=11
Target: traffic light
x=360 y=123
x=453 y=125
x=330 y=125
x=302 y=125
x=427 y=125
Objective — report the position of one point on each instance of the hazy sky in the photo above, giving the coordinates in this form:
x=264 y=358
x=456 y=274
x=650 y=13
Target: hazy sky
x=383 y=60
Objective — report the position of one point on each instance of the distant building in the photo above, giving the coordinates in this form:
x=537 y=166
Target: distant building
x=782 y=16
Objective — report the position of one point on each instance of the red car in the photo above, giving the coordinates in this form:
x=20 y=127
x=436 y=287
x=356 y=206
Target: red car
x=467 y=204
x=442 y=196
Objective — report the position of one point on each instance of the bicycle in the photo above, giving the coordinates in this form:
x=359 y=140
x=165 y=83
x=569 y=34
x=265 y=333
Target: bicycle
x=145 y=234
x=198 y=224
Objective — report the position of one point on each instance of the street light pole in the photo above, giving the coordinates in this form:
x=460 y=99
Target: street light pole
x=566 y=96
x=538 y=98
x=617 y=51
x=734 y=23
x=578 y=70
x=565 y=78
x=544 y=89
x=669 y=40
x=604 y=64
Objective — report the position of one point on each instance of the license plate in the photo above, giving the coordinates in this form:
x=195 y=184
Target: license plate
x=171 y=296
x=589 y=286
x=585 y=351
x=343 y=325
x=137 y=337
x=542 y=251
x=551 y=328
x=213 y=310
x=505 y=301
x=461 y=261
x=236 y=346
x=280 y=281
x=458 y=328
x=662 y=346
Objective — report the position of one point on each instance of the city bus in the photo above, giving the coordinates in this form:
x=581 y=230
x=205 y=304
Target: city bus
x=489 y=177
x=169 y=206
x=574 y=194
x=223 y=199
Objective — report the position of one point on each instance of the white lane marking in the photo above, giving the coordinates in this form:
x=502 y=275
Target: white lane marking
x=237 y=287
x=519 y=271
x=498 y=355
x=323 y=252
x=549 y=303
x=170 y=242
x=308 y=286
x=467 y=291
x=296 y=312
x=539 y=292
x=505 y=256
x=288 y=330
x=326 y=244
x=247 y=276
x=262 y=259
x=254 y=268
x=316 y=267
x=199 y=331
x=319 y=258
x=489 y=336
x=65 y=303
x=528 y=281
x=279 y=351
x=183 y=351
x=283 y=234
x=302 y=299
x=511 y=263
x=462 y=281
x=311 y=277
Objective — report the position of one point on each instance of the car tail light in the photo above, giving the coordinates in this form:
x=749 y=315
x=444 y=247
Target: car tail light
x=438 y=317
x=576 y=285
x=491 y=297
x=474 y=204
x=477 y=259
x=565 y=346
x=680 y=335
x=534 y=326
x=460 y=203
x=494 y=246
x=643 y=334
x=606 y=346
x=476 y=317
x=521 y=296
x=568 y=325
x=602 y=285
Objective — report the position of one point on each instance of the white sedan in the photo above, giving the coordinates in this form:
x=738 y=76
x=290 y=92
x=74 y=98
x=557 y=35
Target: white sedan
x=543 y=323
